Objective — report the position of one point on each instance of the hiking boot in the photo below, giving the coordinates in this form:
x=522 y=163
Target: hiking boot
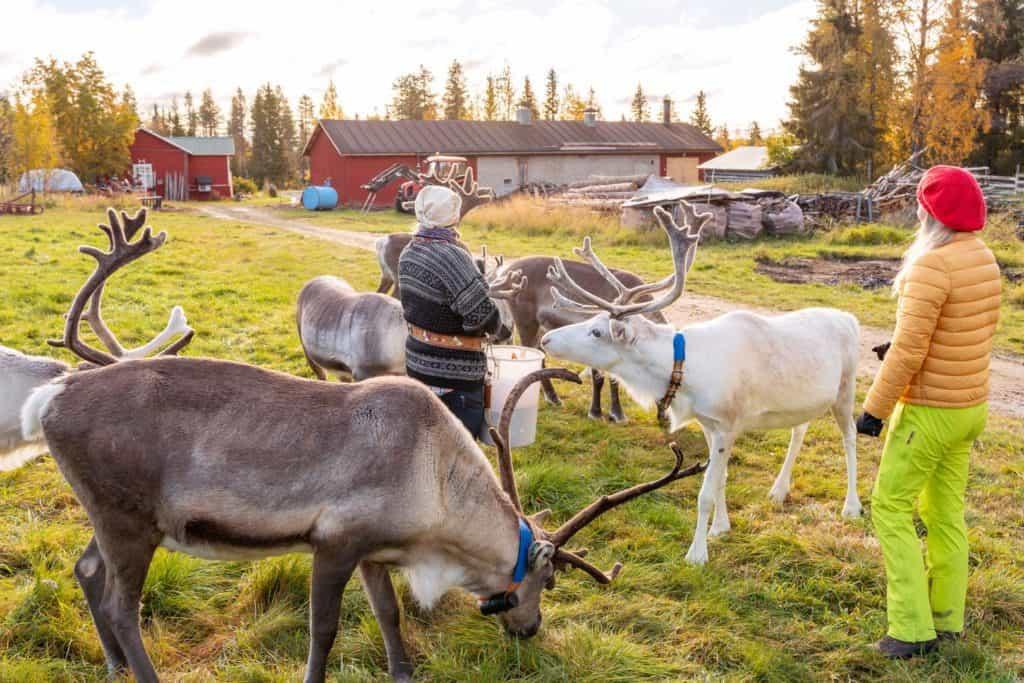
x=949 y=636
x=899 y=649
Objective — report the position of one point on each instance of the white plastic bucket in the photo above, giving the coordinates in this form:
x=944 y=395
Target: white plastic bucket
x=506 y=365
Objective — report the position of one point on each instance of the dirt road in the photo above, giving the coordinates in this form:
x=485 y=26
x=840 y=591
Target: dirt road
x=1007 y=392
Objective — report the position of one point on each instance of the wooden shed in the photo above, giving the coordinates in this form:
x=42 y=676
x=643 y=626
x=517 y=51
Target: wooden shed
x=183 y=167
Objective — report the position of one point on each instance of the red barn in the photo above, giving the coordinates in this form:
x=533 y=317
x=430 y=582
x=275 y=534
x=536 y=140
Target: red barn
x=505 y=155
x=178 y=167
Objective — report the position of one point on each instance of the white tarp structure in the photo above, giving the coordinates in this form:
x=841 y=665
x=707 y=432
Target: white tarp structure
x=56 y=180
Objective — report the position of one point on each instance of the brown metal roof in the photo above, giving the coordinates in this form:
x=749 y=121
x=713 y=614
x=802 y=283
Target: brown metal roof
x=508 y=137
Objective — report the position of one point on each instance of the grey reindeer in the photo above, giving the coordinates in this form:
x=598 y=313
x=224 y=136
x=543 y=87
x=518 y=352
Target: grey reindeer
x=224 y=460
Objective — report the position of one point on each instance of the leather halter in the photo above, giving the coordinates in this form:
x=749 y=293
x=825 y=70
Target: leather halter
x=678 y=363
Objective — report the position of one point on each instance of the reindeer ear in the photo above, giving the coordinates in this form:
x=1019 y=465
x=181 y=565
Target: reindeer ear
x=622 y=331
x=541 y=552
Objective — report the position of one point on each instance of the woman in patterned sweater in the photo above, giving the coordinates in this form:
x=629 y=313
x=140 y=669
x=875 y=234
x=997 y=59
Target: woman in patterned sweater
x=446 y=305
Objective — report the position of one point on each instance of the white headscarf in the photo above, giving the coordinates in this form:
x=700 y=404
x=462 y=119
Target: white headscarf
x=437 y=207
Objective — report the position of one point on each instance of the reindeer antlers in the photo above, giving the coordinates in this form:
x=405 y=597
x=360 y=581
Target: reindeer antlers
x=683 y=244
x=471 y=193
x=564 y=533
x=122 y=251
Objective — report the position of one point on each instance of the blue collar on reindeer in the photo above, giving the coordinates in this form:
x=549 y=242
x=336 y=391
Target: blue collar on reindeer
x=503 y=602
x=678 y=363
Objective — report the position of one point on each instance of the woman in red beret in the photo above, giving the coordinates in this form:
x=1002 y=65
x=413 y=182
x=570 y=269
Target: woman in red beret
x=933 y=389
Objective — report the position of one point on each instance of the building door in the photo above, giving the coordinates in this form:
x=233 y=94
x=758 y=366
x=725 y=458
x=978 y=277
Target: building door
x=683 y=170
x=143 y=175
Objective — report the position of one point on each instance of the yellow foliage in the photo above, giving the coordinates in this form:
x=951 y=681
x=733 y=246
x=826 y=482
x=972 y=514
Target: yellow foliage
x=34 y=142
x=954 y=117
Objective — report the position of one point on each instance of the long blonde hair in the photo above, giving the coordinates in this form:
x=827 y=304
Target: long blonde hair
x=931 y=234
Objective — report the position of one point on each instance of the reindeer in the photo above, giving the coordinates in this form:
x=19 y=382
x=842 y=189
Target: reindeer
x=20 y=373
x=364 y=334
x=742 y=371
x=390 y=247
x=224 y=460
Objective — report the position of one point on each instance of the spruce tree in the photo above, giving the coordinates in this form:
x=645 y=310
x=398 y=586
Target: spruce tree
x=529 y=100
x=236 y=129
x=754 y=137
x=551 y=96
x=592 y=102
x=490 y=100
x=329 y=107
x=209 y=114
x=639 y=107
x=191 y=115
x=455 y=99
x=174 y=126
x=700 y=117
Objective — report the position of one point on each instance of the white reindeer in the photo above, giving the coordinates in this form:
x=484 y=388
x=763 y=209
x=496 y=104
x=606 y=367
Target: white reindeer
x=742 y=371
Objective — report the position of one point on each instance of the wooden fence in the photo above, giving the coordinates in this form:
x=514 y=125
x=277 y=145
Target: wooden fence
x=175 y=187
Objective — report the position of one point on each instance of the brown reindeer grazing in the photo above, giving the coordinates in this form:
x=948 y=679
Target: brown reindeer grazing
x=229 y=461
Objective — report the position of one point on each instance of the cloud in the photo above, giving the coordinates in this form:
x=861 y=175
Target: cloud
x=153 y=68
x=328 y=69
x=214 y=43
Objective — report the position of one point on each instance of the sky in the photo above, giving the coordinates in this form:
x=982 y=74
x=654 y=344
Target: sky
x=740 y=53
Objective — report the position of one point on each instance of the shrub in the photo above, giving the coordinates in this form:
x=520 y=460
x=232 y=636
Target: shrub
x=869 y=235
x=244 y=185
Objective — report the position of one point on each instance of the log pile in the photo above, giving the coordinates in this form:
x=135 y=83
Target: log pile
x=601 y=193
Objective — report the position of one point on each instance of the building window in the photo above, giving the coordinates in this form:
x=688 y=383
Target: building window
x=143 y=175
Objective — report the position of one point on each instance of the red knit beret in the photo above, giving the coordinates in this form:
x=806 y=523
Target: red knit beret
x=954 y=197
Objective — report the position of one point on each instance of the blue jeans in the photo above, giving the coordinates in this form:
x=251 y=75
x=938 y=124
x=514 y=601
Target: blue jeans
x=468 y=406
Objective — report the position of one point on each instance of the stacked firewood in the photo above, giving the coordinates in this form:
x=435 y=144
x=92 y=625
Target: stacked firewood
x=603 y=193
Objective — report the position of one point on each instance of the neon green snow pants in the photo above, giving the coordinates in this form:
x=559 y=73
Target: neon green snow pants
x=925 y=459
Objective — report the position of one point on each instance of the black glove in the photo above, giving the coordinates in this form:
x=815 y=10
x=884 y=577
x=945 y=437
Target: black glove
x=881 y=350
x=869 y=424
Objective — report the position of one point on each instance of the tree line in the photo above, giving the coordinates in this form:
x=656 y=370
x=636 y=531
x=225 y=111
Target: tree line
x=886 y=78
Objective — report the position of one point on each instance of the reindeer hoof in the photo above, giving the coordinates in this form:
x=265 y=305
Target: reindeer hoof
x=617 y=418
x=595 y=416
x=778 y=495
x=697 y=556
x=719 y=529
x=852 y=510
x=553 y=400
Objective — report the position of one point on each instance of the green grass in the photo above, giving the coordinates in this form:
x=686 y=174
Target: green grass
x=803 y=183
x=790 y=594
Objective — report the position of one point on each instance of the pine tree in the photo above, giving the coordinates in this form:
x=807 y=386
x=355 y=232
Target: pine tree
x=876 y=57
x=129 y=101
x=413 y=96
x=826 y=107
x=700 y=117
x=307 y=118
x=329 y=108
x=953 y=116
x=529 y=100
x=209 y=114
x=158 y=121
x=287 y=161
x=551 y=96
x=998 y=27
x=455 y=99
x=173 y=118
x=191 y=115
x=490 y=100
x=754 y=136
x=639 y=107
x=236 y=129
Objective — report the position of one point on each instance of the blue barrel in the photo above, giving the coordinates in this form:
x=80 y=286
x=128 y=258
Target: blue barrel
x=319 y=198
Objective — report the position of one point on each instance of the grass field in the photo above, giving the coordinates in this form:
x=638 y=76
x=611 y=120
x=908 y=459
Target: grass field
x=792 y=594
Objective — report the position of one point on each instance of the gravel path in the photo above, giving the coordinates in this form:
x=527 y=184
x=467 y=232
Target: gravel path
x=1007 y=383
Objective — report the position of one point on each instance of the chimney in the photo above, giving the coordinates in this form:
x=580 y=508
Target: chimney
x=666 y=110
x=523 y=115
x=590 y=116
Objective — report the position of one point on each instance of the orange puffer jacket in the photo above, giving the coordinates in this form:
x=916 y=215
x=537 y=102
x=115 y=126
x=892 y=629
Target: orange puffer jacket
x=948 y=310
